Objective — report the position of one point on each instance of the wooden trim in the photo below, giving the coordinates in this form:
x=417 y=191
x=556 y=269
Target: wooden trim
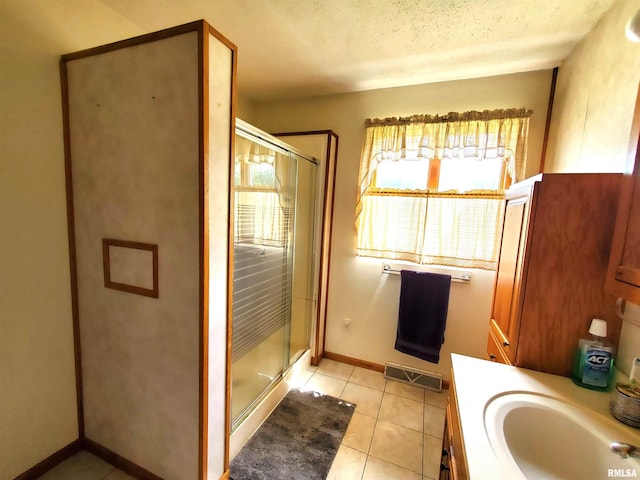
x=632 y=164
x=108 y=283
x=356 y=362
x=230 y=255
x=321 y=323
x=204 y=333
x=224 y=40
x=204 y=348
x=73 y=266
x=505 y=178
x=329 y=186
x=433 y=179
x=203 y=247
x=139 y=40
x=547 y=126
x=226 y=475
x=118 y=461
x=51 y=461
x=330 y=235
x=308 y=132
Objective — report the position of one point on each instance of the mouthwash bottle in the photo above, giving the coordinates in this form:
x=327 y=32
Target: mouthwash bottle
x=593 y=359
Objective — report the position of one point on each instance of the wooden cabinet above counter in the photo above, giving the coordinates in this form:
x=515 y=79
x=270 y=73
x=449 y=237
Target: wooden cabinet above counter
x=551 y=270
x=623 y=276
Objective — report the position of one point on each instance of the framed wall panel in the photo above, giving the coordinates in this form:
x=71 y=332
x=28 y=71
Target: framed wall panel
x=130 y=266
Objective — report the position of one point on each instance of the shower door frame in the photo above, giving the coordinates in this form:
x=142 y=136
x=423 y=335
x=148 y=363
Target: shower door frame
x=325 y=204
x=250 y=132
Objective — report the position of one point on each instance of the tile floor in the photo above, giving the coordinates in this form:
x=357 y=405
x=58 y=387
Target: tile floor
x=395 y=432
x=85 y=466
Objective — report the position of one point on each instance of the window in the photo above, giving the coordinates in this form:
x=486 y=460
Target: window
x=255 y=175
x=261 y=214
x=432 y=188
x=462 y=175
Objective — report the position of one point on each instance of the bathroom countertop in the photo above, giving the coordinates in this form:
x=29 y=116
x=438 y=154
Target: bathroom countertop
x=477 y=382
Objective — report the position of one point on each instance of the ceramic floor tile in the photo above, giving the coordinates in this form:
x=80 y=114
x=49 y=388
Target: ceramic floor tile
x=439 y=399
x=348 y=464
x=82 y=466
x=402 y=411
x=360 y=432
x=377 y=469
x=405 y=390
x=300 y=378
x=326 y=385
x=434 y=420
x=431 y=456
x=368 y=378
x=119 y=475
x=367 y=399
x=398 y=445
x=335 y=369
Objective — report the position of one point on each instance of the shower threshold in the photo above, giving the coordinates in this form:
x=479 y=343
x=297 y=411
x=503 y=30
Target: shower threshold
x=252 y=417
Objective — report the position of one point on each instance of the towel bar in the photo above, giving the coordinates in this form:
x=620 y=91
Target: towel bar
x=464 y=278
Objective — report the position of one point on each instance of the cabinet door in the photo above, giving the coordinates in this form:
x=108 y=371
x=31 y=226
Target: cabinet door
x=495 y=352
x=623 y=275
x=504 y=315
x=457 y=455
x=623 y=279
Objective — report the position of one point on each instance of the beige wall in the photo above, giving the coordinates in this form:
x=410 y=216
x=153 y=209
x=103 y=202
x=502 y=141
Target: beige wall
x=592 y=113
x=595 y=97
x=38 y=401
x=357 y=289
x=38 y=413
x=245 y=108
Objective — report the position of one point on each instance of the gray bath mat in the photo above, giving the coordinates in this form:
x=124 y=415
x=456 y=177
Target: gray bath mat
x=298 y=441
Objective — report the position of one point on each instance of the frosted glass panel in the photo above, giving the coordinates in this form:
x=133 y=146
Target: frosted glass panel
x=274 y=208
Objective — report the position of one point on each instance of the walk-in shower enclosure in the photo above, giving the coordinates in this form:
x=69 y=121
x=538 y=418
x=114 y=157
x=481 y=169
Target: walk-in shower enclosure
x=275 y=276
x=149 y=130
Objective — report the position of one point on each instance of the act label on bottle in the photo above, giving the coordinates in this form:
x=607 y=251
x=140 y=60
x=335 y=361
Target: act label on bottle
x=596 y=367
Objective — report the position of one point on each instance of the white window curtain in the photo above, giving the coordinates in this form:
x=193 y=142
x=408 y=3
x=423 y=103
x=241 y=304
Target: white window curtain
x=428 y=226
x=263 y=212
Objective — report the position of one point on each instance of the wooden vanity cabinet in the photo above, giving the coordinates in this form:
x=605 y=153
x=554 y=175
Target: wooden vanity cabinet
x=551 y=269
x=504 y=326
x=454 y=464
x=623 y=277
x=495 y=353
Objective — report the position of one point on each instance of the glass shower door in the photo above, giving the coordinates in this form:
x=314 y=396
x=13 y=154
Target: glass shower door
x=304 y=280
x=273 y=197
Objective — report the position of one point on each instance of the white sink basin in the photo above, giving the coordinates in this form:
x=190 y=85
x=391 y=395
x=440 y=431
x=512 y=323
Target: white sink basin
x=541 y=437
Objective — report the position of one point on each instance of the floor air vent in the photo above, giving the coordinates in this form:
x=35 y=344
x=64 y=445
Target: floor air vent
x=412 y=376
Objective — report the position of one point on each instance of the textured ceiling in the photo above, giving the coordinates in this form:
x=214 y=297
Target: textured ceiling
x=294 y=48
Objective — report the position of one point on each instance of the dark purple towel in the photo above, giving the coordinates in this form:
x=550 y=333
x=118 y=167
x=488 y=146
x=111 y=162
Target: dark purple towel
x=422 y=317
